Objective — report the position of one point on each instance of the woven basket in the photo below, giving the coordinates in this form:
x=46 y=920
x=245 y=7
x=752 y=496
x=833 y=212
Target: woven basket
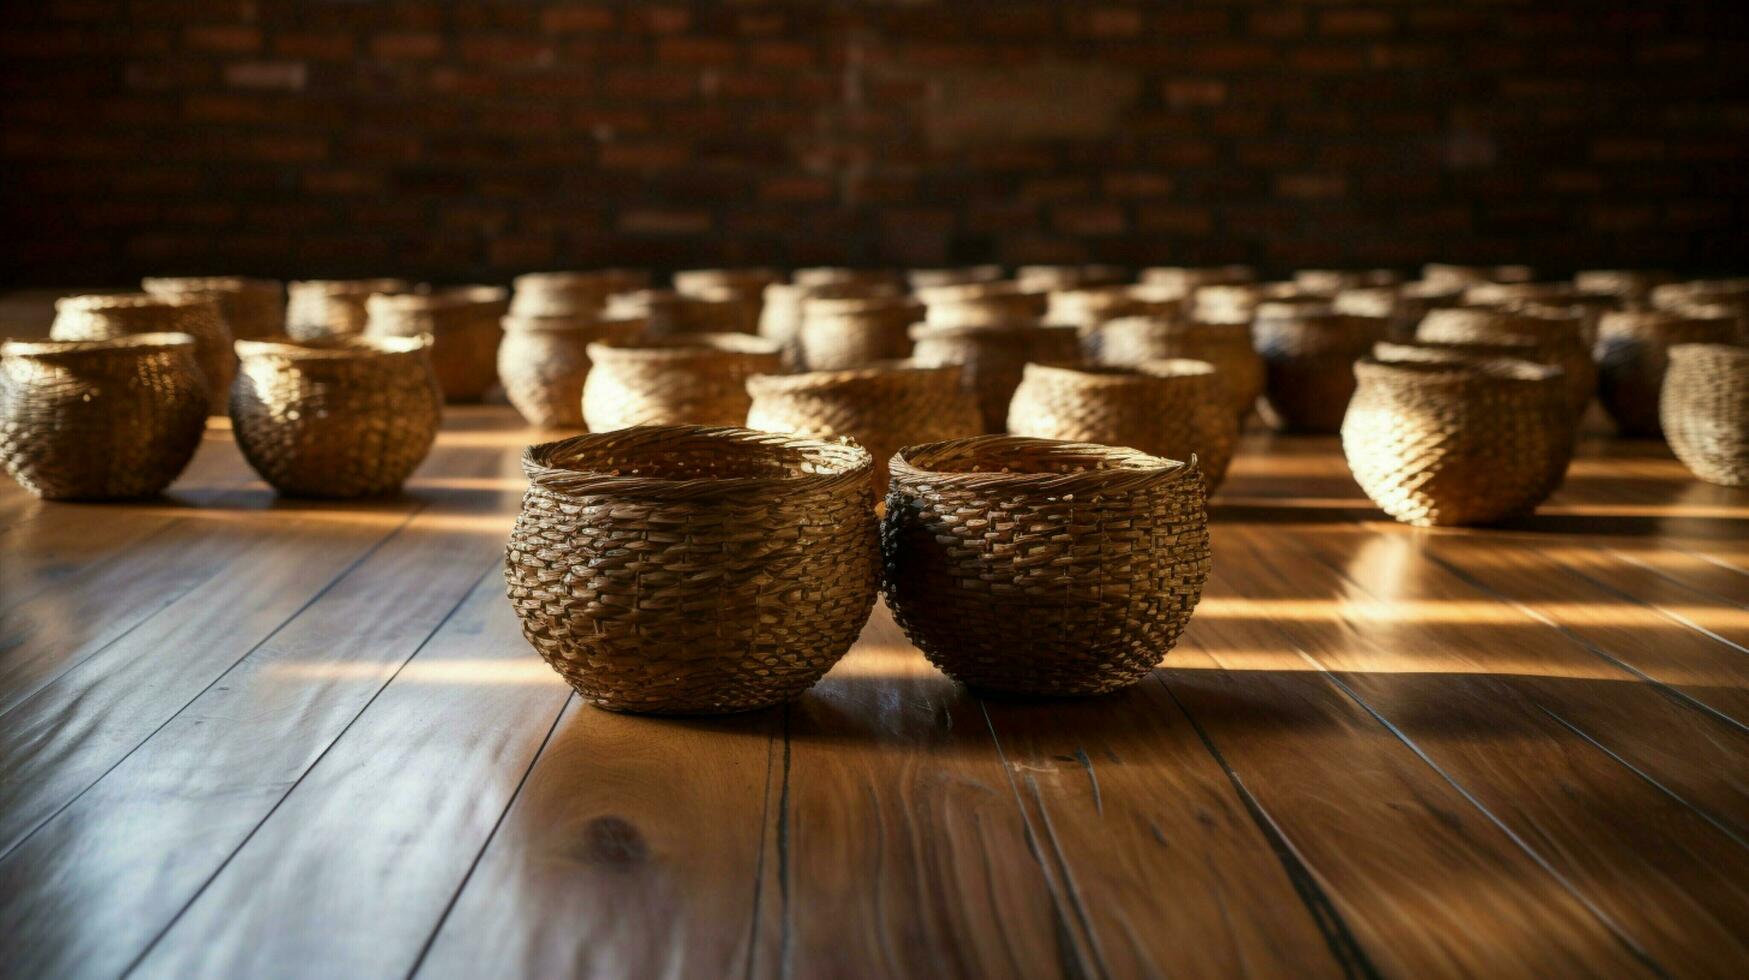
x=780 y=317
x=1705 y=410
x=1559 y=340
x=959 y=275
x=562 y=294
x=884 y=407
x=876 y=280
x=1439 y=352
x=1038 y=567
x=1049 y=278
x=107 y=317
x=837 y=334
x=992 y=358
x=1308 y=357
x=543 y=361
x=1445 y=275
x=1633 y=286
x=100 y=419
x=1175 y=409
x=1184 y=281
x=747 y=283
x=1460 y=442
x=687 y=570
x=333 y=307
x=336 y=416
x=668 y=312
x=696 y=379
x=979 y=304
x=1227 y=346
x=465 y=324
x=1632 y=353
x=251 y=308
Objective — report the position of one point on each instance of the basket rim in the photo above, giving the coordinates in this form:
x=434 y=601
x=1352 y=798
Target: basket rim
x=543 y=463
x=40 y=349
x=802 y=381
x=439 y=298
x=1496 y=347
x=1135 y=470
x=562 y=323
x=132 y=300
x=1011 y=328
x=343 y=347
x=1173 y=325
x=1736 y=352
x=211 y=284
x=1168 y=369
x=350 y=287
x=1507 y=370
x=683 y=346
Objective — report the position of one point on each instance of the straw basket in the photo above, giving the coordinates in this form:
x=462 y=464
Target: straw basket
x=992 y=358
x=1559 y=341
x=333 y=307
x=1459 y=442
x=251 y=308
x=885 y=407
x=336 y=416
x=780 y=317
x=543 y=361
x=686 y=570
x=1705 y=411
x=746 y=283
x=1308 y=357
x=979 y=304
x=1049 y=278
x=956 y=276
x=1038 y=567
x=1438 y=352
x=100 y=419
x=101 y=317
x=465 y=327
x=1227 y=346
x=1632 y=353
x=668 y=312
x=695 y=379
x=845 y=333
x=562 y=294
x=1171 y=408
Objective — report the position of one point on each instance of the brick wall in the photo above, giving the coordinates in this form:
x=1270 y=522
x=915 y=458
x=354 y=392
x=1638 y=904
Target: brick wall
x=474 y=138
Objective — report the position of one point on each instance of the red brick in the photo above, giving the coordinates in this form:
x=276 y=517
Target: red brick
x=406 y=47
x=571 y=18
x=316 y=46
x=284 y=76
x=665 y=221
x=696 y=51
x=1089 y=219
x=1355 y=23
x=1311 y=187
x=223 y=39
x=1189 y=92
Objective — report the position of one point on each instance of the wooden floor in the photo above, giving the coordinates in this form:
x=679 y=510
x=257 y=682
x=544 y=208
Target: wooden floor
x=249 y=737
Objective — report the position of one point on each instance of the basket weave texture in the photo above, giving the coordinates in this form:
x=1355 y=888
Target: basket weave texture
x=1560 y=341
x=688 y=569
x=1176 y=409
x=693 y=379
x=543 y=361
x=1705 y=411
x=1632 y=354
x=1227 y=346
x=336 y=416
x=101 y=419
x=100 y=317
x=252 y=308
x=992 y=358
x=780 y=316
x=333 y=307
x=836 y=334
x=669 y=312
x=885 y=407
x=1308 y=357
x=1038 y=567
x=979 y=304
x=465 y=325
x=1458 y=442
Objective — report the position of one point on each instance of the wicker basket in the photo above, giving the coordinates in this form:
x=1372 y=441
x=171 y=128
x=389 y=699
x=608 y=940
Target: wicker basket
x=465 y=324
x=1308 y=355
x=562 y=294
x=669 y=312
x=1632 y=353
x=1227 y=346
x=336 y=416
x=979 y=304
x=1438 y=352
x=1050 y=278
x=919 y=279
x=1632 y=286
x=872 y=280
x=1038 y=567
x=885 y=407
x=1559 y=340
x=992 y=359
x=1173 y=408
x=100 y=419
x=333 y=307
x=780 y=317
x=252 y=308
x=748 y=283
x=687 y=570
x=845 y=333
x=1705 y=409
x=696 y=379
x=107 y=317
x=543 y=361
x=1459 y=442
x=1446 y=275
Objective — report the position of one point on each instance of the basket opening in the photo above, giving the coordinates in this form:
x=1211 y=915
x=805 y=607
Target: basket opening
x=1021 y=455
x=685 y=454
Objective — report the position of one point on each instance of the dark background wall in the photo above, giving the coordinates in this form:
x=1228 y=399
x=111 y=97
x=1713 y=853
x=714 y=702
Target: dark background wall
x=480 y=137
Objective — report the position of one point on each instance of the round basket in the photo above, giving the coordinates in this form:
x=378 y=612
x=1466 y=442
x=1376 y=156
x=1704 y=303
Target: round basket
x=688 y=570
x=333 y=307
x=748 y=283
x=336 y=416
x=1038 y=567
x=251 y=308
x=1174 y=408
x=696 y=379
x=100 y=419
x=1559 y=340
x=885 y=407
x=845 y=333
x=1439 y=352
x=980 y=304
x=668 y=312
x=1458 y=442
x=992 y=358
x=957 y=276
x=1308 y=355
x=108 y=317
x=1227 y=346
x=562 y=294
x=1705 y=410
x=543 y=361
x=464 y=324
x=1049 y=278
x=1632 y=353
x=780 y=317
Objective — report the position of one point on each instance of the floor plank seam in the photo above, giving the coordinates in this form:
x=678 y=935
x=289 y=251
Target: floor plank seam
x=1674 y=617
x=1666 y=576
x=759 y=859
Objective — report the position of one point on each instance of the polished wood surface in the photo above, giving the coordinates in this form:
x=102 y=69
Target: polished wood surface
x=246 y=736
